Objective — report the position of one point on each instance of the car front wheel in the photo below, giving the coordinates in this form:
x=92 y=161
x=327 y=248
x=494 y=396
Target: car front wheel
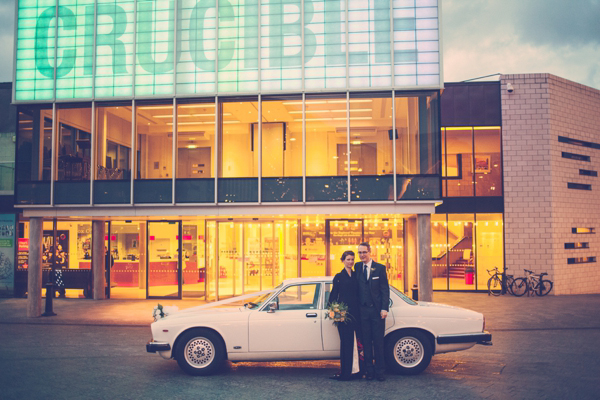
x=408 y=352
x=200 y=352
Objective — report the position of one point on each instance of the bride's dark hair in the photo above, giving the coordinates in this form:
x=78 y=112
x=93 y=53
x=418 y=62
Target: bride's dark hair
x=346 y=254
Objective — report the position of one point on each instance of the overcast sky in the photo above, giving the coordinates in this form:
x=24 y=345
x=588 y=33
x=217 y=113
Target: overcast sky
x=480 y=37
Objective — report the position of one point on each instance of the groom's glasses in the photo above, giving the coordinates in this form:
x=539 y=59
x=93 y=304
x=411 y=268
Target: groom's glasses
x=362 y=252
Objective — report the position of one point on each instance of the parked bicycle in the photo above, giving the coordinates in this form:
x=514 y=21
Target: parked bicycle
x=532 y=284
x=495 y=283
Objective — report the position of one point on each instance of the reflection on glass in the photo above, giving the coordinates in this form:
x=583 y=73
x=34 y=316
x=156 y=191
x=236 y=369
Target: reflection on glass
x=195 y=140
x=490 y=247
x=386 y=237
x=73 y=144
x=163 y=259
x=34 y=145
x=459 y=161
x=417 y=146
x=488 y=161
x=313 y=261
x=211 y=261
x=128 y=258
x=230 y=259
x=154 y=141
x=192 y=257
x=113 y=142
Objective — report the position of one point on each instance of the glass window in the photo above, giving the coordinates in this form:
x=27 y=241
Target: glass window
x=444 y=164
x=461 y=249
x=459 y=162
x=281 y=137
x=128 y=259
x=238 y=140
x=371 y=147
x=326 y=136
x=386 y=237
x=34 y=146
x=439 y=251
x=113 y=142
x=154 y=141
x=73 y=127
x=488 y=161
x=299 y=297
x=195 y=140
x=490 y=247
x=418 y=134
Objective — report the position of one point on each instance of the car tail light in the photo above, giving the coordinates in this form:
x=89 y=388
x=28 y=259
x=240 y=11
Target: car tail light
x=483 y=329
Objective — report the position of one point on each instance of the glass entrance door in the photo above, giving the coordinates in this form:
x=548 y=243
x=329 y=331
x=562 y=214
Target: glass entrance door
x=249 y=256
x=164 y=259
x=343 y=234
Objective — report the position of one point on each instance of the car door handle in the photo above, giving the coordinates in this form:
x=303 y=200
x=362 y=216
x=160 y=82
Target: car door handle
x=311 y=315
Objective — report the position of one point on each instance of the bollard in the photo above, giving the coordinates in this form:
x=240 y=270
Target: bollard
x=415 y=293
x=49 y=296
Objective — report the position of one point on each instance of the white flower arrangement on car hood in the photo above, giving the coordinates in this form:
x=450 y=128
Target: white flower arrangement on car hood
x=161 y=312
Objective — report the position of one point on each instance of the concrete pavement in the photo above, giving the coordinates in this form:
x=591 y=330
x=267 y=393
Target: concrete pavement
x=501 y=313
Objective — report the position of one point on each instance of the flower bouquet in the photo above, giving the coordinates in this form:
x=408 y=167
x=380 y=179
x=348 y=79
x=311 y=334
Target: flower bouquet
x=161 y=312
x=338 y=313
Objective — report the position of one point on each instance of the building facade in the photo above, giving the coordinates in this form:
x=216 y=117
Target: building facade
x=213 y=148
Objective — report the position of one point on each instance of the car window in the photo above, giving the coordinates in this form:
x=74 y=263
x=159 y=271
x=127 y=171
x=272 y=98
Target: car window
x=299 y=297
x=327 y=293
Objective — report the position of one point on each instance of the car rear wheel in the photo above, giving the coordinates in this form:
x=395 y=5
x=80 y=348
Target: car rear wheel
x=200 y=352
x=408 y=352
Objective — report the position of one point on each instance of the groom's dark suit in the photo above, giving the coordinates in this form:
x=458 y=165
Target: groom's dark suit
x=374 y=296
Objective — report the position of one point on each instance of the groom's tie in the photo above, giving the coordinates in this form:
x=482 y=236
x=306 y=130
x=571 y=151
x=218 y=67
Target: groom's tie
x=365 y=272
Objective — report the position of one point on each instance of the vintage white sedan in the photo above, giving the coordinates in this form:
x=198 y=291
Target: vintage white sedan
x=288 y=323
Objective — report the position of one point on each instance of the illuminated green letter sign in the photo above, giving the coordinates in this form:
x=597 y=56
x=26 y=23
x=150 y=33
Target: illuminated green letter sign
x=83 y=49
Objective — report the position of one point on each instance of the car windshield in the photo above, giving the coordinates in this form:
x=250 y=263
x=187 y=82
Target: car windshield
x=255 y=302
x=403 y=296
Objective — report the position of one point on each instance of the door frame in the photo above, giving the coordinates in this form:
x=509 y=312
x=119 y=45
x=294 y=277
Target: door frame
x=179 y=268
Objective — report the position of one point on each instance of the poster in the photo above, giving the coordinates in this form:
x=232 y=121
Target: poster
x=7 y=254
x=61 y=253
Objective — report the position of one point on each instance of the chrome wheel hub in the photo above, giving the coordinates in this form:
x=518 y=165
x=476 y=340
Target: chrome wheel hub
x=408 y=352
x=199 y=352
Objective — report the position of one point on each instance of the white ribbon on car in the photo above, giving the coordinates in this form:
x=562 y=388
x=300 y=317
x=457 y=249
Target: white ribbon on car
x=355 y=357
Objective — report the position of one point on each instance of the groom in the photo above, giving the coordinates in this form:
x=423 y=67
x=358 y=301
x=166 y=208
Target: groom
x=374 y=297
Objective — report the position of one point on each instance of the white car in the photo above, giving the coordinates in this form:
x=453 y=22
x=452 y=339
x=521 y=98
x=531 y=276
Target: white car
x=288 y=323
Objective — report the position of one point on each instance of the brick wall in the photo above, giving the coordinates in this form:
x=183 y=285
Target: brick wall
x=540 y=210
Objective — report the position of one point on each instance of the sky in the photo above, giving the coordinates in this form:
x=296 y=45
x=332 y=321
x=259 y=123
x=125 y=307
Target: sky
x=479 y=37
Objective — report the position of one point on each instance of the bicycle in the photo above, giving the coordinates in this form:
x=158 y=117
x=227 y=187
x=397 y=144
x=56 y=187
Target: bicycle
x=532 y=284
x=496 y=285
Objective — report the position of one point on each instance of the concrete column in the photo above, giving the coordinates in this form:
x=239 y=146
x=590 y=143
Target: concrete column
x=411 y=254
x=34 y=271
x=424 y=256
x=98 y=259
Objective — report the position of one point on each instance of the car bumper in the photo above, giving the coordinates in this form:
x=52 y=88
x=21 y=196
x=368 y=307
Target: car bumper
x=484 y=338
x=153 y=347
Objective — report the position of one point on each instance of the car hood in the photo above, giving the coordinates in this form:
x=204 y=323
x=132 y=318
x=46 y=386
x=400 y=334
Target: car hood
x=439 y=310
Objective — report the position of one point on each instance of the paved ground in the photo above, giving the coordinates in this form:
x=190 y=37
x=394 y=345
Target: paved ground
x=543 y=348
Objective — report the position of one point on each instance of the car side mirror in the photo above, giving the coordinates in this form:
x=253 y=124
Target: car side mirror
x=272 y=307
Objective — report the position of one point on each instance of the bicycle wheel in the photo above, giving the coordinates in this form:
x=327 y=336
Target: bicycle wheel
x=509 y=281
x=518 y=287
x=494 y=286
x=543 y=288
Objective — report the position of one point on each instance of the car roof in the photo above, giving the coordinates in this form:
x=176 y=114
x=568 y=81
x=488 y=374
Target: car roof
x=308 y=279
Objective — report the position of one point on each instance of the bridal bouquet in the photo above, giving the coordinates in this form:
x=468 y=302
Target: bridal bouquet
x=337 y=312
x=161 y=312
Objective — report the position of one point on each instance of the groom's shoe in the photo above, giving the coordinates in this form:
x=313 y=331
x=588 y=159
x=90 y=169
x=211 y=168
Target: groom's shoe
x=370 y=377
x=380 y=378
x=335 y=377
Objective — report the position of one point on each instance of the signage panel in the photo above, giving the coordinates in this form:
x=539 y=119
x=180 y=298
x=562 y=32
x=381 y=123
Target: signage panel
x=82 y=49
